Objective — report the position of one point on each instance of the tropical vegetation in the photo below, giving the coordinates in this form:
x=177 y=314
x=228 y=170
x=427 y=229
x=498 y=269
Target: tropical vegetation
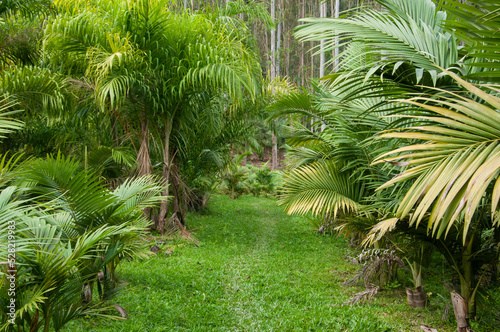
x=117 y=118
x=402 y=144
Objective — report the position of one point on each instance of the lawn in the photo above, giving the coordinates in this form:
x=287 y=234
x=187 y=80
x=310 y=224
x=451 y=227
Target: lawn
x=256 y=269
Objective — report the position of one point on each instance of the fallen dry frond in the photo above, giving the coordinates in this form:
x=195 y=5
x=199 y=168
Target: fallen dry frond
x=364 y=295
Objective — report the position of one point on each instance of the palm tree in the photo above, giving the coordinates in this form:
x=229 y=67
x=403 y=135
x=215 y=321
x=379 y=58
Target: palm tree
x=151 y=63
x=68 y=228
x=390 y=46
x=47 y=288
x=385 y=54
x=454 y=169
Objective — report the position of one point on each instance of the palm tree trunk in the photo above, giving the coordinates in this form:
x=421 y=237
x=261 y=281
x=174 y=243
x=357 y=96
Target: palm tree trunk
x=46 y=327
x=166 y=176
x=467 y=280
x=461 y=312
x=143 y=160
x=417 y=297
x=245 y=159
x=179 y=199
x=115 y=128
x=384 y=269
x=464 y=303
x=274 y=154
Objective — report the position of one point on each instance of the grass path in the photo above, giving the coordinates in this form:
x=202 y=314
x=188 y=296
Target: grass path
x=256 y=269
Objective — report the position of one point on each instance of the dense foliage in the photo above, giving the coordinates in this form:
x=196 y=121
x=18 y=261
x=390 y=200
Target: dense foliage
x=117 y=117
x=401 y=144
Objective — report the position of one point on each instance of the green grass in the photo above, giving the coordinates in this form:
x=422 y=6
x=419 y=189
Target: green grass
x=256 y=269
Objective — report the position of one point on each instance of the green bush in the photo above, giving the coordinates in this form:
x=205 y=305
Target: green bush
x=239 y=180
x=69 y=233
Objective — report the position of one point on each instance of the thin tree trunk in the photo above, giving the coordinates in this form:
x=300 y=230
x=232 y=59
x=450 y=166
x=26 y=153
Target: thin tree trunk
x=274 y=164
x=337 y=14
x=143 y=159
x=245 y=159
x=322 y=13
x=273 y=40
x=302 y=46
x=179 y=203
x=332 y=13
x=166 y=173
x=274 y=152
x=278 y=45
x=312 y=59
x=47 y=314
x=384 y=269
x=114 y=127
x=466 y=282
x=286 y=42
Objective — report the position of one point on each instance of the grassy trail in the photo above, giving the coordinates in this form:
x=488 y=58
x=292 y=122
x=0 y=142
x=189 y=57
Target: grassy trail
x=256 y=269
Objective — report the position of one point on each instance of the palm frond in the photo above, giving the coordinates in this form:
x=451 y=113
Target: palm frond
x=476 y=23
x=455 y=165
x=321 y=189
x=407 y=32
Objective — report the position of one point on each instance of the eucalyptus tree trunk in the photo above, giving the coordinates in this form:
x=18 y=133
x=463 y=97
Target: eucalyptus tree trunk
x=274 y=163
x=286 y=39
x=312 y=58
x=273 y=40
x=336 y=15
x=278 y=45
x=322 y=13
x=274 y=152
x=302 y=69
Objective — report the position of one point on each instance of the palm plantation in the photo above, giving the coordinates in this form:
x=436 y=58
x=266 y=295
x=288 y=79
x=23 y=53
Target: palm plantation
x=120 y=119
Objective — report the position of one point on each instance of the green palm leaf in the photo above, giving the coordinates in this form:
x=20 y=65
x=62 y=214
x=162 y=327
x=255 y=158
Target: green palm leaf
x=321 y=189
x=408 y=32
x=456 y=166
x=476 y=23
